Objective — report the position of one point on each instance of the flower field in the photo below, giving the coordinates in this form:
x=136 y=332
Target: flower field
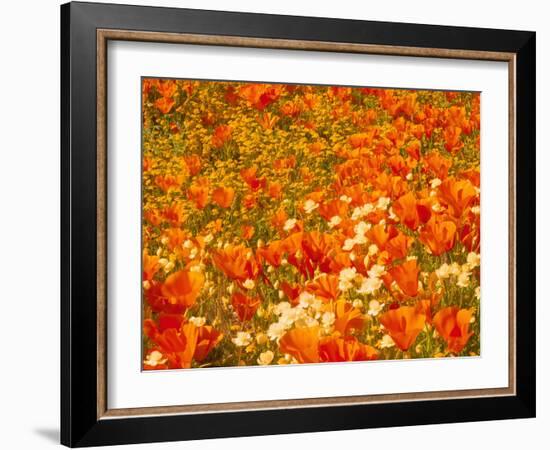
x=287 y=224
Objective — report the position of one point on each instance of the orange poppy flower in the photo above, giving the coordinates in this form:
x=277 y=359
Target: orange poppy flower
x=410 y=212
x=337 y=261
x=357 y=192
x=417 y=130
x=174 y=214
x=341 y=349
x=166 y=88
x=335 y=207
x=413 y=148
x=188 y=87
x=438 y=235
x=398 y=246
x=347 y=317
x=424 y=306
x=391 y=186
x=148 y=85
x=398 y=165
x=285 y=163
x=221 y=135
x=164 y=104
x=223 y=196
x=258 y=95
x=438 y=165
x=244 y=306
x=249 y=176
x=361 y=139
x=317 y=245
x=237 y=262
x=340 y=92
x=148 y=164
x=175 y=237
x=307 y=124
x=473 y=175
x=249 y=201
x=403 y=324
x=345 y=171
x=379 y=235
x=316 y=147
x=272 y=253
x=396 y=137
x=207 y=339
x=198 y=192
x=432 y=297
x=302 y=343
x=453 y=325
x=409 y=104
x=310 y=100
x=150 y=265
x=291 y=109
x=251 y=92
x=178 y=346
x=469 y=236
x=275 y=190
x=362 y=119
x=268 y=121
x=168 y=182
x=406 y=277
x=193 y=164
x=457 y=194
x=453 y=143
x=293 y=243
x=325 y=287
x=158 y=302
x=247 y=231
x=183 y=287
x=279 y=218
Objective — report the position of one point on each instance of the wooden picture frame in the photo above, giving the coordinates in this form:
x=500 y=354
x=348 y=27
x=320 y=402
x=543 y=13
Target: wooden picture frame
x=86 y=418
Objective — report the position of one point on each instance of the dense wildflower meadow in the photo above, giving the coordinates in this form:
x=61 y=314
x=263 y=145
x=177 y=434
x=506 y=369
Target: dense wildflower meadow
x=287 y=224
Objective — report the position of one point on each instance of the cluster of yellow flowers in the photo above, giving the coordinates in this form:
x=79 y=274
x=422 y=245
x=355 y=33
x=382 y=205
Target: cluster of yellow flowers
x=307 y=224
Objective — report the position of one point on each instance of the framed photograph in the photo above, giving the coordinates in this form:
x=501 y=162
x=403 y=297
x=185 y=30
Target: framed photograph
x=276 y=224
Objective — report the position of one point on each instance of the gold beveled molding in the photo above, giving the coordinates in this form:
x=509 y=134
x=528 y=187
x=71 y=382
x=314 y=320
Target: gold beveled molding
x=104 y=35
